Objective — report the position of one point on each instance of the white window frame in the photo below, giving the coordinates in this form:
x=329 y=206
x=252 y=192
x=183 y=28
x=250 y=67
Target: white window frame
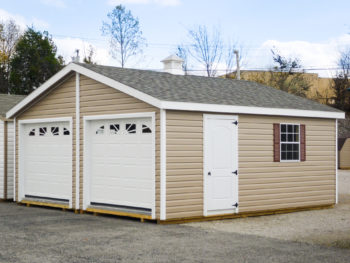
x=289 y=161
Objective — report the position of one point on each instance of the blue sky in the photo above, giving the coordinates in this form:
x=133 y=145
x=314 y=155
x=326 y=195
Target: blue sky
x=314 y=30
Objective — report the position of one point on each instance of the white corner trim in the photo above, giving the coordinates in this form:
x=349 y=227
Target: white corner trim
x=336 y=161
x=169 y=105
x=77 y=140
x=162 y=164
x=14 y=160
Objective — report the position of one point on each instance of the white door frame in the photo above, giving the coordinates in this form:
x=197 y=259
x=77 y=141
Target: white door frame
x=21 y=123
x=86 y=166
x=206 y=117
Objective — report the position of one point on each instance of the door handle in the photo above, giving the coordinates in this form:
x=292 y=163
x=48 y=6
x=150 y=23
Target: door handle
x=209 y=173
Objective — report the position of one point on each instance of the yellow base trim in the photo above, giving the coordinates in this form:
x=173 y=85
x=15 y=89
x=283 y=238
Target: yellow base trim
x=241 y=215
x=118 y=213
x=36 y=203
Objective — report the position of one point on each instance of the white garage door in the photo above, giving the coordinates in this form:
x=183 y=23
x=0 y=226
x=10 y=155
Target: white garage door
x=120 y=165
x=46 y=161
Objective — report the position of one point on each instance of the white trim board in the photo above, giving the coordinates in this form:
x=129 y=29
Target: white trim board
x=77 y=141
x=162 y=164
x=170 y=105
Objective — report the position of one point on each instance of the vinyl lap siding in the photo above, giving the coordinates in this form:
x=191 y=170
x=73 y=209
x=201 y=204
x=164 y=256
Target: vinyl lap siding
x=99 y=99
x=60 y=102
x=2 y=158
x=344 y=155
x=184 y=181
x=263 y=184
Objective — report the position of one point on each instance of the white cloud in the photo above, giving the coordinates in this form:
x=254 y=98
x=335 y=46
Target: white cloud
x=54 y=3
x=66 y=48
x=159 y=2
x=22 y=21
x=321 y=56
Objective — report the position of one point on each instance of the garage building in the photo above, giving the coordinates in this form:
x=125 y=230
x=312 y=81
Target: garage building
x=7 y=146
x=161 y=146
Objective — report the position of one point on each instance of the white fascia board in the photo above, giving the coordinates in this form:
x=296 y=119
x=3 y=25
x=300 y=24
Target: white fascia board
x=89 y=73
x=187 y=106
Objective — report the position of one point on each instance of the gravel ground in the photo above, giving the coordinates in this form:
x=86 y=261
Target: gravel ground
x=328 y=227
x=31 y=234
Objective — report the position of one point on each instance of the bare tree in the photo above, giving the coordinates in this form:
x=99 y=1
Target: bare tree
x=124 y=31
x=206 y=48
x=9 y=36
x=89 y=55
x=181 y=51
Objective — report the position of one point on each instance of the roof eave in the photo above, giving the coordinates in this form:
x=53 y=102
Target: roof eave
x=187 y=106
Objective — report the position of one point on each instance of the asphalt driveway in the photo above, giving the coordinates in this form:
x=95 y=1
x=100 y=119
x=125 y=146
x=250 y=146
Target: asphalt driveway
x=32 y=234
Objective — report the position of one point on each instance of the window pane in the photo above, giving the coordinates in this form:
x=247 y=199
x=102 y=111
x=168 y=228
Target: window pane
x=290 y=137
x=100 y=130
x=146 y=129
x=42 y=131
x=283 y=155
x=296 y=137
x=290 y=128
x=296 y=147
x=130 y=128
x=283 y=128
x=66 y=131
x=289 y=155
x=296 y=128
x=289 y=147
x=295 y=155
x=114 y=128
x=284 y=147
x=283 y=138
x=32 y=132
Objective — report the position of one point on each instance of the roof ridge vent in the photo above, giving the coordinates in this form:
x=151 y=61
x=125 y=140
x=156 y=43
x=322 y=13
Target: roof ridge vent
x=173 y=65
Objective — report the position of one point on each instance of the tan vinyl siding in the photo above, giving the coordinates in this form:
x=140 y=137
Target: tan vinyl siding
x=99 y=99
x=57 y=102
x=263 y=184
x=344 y=155
x=184 y=194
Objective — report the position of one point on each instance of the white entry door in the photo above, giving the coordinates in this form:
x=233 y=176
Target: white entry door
x=46 y=161
x=221 y=164
x=121 y=163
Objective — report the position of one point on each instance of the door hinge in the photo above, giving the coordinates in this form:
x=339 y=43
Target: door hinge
x=236 y=205
x=235 y=122
x=235 y=172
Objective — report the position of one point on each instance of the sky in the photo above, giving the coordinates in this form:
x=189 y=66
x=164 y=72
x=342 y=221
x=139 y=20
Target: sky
x=315 y=31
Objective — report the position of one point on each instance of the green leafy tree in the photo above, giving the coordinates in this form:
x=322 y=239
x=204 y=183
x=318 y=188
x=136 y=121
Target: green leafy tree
x=341 y=83
x=125 y=34
x=34 y=61
x=286 y=75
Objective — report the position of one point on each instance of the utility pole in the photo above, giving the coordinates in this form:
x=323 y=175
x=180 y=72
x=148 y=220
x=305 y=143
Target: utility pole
x=238 y=74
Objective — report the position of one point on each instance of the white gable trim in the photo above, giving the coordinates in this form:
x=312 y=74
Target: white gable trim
x=89 y=73
x=170 y=105
x=187 y=106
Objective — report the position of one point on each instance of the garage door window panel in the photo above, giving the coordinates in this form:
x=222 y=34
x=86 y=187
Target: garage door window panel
x=42 y=131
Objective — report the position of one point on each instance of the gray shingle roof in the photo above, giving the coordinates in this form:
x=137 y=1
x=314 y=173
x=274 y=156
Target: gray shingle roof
x=8 y=101
x=197 y=89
